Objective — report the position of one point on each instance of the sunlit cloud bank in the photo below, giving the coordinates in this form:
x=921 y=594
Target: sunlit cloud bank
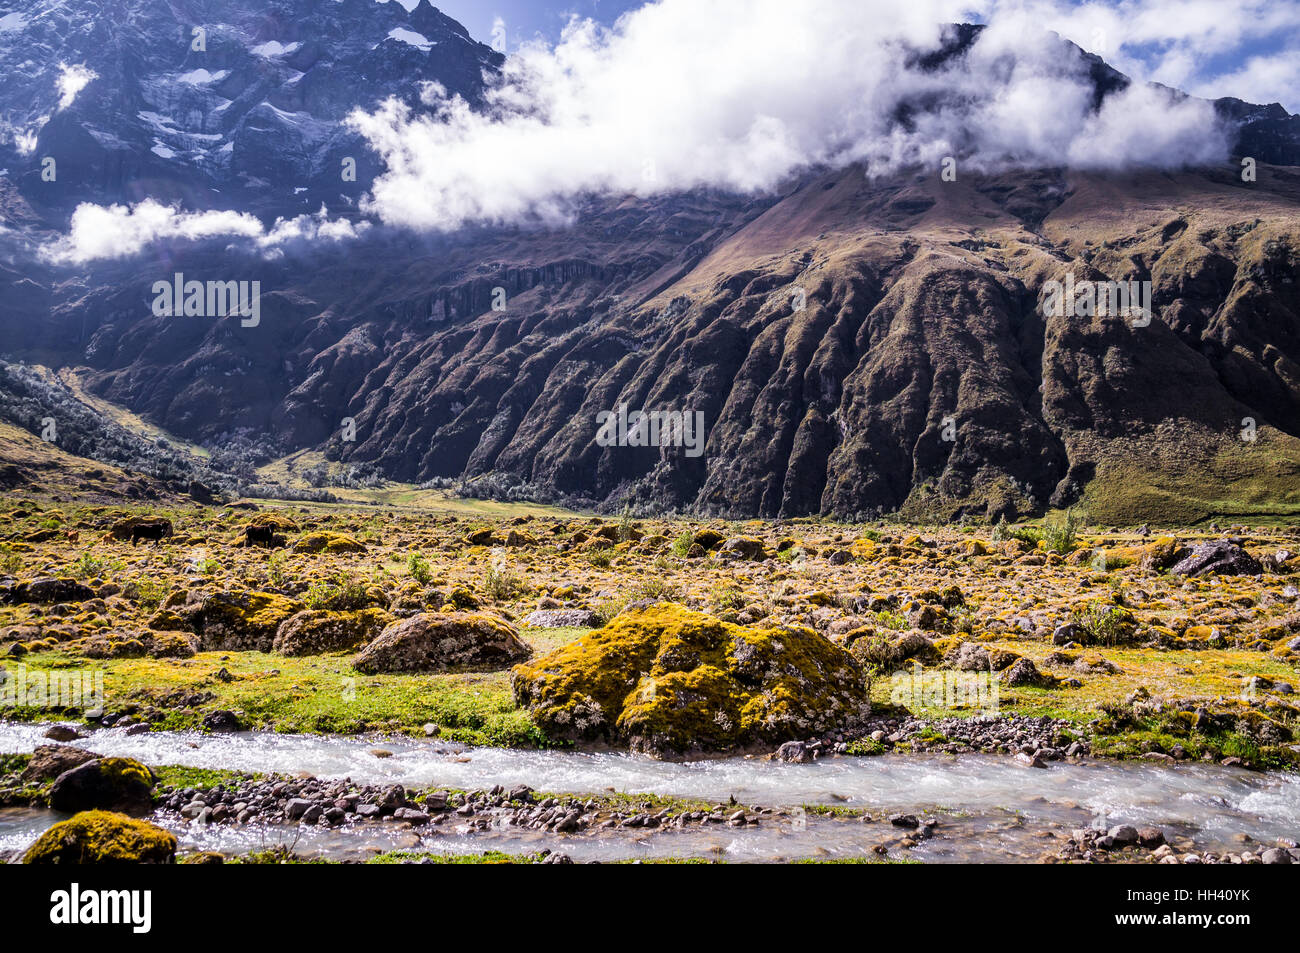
x=117 y=231
x=740 y=94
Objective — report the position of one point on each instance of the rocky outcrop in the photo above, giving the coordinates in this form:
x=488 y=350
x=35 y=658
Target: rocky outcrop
x=442 y=642
x=315 y=631
x=667 y=681
x=1217 y=557
x=240 y=621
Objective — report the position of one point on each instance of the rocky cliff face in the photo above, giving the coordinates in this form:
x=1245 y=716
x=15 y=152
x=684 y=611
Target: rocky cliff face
x=853 y=345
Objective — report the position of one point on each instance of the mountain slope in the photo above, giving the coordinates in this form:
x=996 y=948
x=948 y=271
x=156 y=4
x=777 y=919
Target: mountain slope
x=855 y=345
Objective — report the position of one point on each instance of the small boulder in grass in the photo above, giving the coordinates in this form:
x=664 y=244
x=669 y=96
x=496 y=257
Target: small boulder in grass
x=1024 y=672
x=322 y=542
x=1216 y=557
x=561 y=618
x=442 y=642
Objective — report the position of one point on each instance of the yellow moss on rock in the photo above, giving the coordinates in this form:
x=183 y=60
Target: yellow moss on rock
x=102 y=837
x=314 y=631
x=241 y=621
x=322 y=542
x=666 y=680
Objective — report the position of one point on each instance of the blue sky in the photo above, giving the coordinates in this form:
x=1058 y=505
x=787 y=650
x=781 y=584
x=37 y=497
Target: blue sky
x=525 y=19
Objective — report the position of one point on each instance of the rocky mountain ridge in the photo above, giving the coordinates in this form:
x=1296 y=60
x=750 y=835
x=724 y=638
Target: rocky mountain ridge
x=855 y=345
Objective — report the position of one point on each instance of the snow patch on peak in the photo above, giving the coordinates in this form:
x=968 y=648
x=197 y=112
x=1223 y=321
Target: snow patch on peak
x=201 y=77
x=273 y=48
x=411 y=38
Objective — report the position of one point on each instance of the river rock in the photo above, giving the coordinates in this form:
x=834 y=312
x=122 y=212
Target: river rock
x=1123 y=835
x=102 y=837
x=116 y=784
x=794 y=752
x=222 y=720
x=49 y=761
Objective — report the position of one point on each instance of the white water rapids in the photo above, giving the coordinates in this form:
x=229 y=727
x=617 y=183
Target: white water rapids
x=990 y=807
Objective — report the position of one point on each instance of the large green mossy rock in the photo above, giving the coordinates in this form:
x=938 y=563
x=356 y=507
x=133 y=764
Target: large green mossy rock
x=116 y=784
x=102 y=837
x=240 y=621
x=668 y=681
x=322 y=542
x=314 y=631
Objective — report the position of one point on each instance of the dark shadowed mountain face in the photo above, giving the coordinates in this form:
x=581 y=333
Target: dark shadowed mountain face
x=852 y=345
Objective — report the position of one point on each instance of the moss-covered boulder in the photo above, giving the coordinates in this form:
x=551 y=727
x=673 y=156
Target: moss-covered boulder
x=443 y=641
x=314 y=631
x=48 y=590
x=115 y=784
x=668 y=681
x=109 y=645
x=240 y=621
x=322 y=542
x=102 y=837
x=175 y=644
x=743 y=547
x=707 y=538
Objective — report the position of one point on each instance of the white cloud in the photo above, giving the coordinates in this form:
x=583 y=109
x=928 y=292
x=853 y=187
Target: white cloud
x=1265 y=79
x=72 y=80
x=1194 y=45
x=118 y=231
x=740 y=94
